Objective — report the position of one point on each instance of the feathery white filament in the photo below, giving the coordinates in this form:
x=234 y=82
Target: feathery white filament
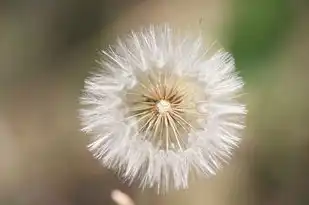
x=159 y=109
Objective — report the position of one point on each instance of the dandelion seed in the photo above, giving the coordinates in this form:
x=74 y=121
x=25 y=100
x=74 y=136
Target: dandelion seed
x=158 y=109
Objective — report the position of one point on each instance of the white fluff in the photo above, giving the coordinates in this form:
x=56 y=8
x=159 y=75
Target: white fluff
x=209 y=85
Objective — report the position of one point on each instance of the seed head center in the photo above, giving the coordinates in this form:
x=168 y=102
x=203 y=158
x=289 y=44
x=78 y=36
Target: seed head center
x=163 y=106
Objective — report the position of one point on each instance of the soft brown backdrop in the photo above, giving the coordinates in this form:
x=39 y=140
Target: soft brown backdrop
x=48 y=47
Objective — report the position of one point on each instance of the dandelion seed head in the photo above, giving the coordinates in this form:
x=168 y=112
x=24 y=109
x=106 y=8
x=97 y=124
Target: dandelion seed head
x=158 y=109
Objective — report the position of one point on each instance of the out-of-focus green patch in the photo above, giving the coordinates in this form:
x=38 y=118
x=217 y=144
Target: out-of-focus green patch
x=257 y=33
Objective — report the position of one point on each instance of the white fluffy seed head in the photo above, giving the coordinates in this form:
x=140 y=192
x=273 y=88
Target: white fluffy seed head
x=159 y=109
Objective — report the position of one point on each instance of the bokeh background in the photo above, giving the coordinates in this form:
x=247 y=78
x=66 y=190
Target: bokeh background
x=48 y=47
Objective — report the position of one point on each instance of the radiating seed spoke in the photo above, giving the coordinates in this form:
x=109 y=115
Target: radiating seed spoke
x=151 y=124
x=139 y=108
x=157 y=125
x=175 y=131
x=146 y=123
x=183 y=127
x=138 y=114
x=189 y=111
x=183 y=120
x=166 y=132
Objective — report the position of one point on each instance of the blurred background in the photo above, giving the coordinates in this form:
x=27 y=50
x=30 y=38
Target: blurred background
x=48 y=47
